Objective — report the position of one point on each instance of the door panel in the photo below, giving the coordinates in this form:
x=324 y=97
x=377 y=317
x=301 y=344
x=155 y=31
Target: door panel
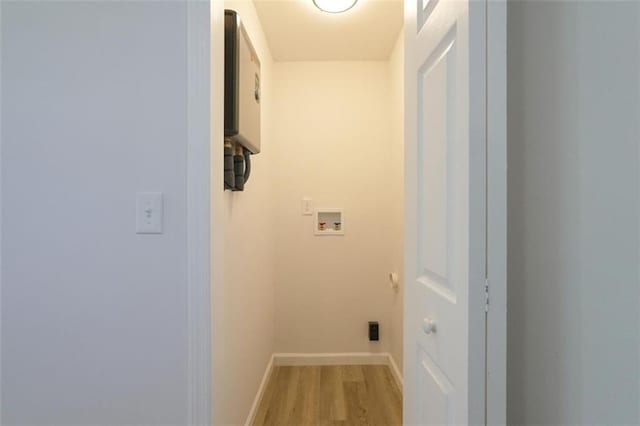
x=434 y=385
x=445 y=254
x=425 y=7
x=436 y=101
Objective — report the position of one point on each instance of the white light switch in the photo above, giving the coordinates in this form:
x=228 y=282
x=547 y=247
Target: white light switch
x=307 y=206
x=149 y=212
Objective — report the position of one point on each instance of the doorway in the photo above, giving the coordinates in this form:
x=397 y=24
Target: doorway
x=313 y=245
x=299 y=287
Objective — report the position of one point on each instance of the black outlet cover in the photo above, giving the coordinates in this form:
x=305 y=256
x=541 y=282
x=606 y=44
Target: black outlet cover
x=374 y=331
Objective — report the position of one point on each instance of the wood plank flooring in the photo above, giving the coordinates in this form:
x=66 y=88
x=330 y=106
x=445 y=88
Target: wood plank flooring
x=330 y=395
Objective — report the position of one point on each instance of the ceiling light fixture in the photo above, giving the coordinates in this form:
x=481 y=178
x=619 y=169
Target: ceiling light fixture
x=334 y=6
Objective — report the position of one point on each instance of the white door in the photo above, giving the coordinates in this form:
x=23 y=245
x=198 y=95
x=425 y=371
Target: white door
x=446 y=98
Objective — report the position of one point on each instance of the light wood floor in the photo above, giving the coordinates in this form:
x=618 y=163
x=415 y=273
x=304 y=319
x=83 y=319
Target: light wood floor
x=330 y=395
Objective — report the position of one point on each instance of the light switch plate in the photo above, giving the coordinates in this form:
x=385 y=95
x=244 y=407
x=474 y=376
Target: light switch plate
x=149 y=213
x=307 y=206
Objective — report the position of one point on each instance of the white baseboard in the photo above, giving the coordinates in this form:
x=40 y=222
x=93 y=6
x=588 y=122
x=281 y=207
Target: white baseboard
x=347 y=358
x=261 y=389
x=397 y=374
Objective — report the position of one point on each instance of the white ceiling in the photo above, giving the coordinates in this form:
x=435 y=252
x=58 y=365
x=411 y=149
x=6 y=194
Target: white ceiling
x=297 y=31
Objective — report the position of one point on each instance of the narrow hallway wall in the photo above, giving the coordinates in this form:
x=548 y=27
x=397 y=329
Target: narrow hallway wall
x=245 y=342
x=574 y=236
x=396 y=63
x=94 y=110
x=332 y=127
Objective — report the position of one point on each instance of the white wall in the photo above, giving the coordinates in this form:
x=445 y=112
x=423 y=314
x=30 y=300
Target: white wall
x=94 y=317
x=332 y=127
x=574 y=104
x=396 y=63
x=245 y=341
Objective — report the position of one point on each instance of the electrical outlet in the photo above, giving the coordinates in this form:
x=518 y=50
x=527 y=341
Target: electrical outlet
x=374 y=331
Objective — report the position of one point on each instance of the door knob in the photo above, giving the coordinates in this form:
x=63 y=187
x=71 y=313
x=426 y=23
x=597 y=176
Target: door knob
x=428 y=326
